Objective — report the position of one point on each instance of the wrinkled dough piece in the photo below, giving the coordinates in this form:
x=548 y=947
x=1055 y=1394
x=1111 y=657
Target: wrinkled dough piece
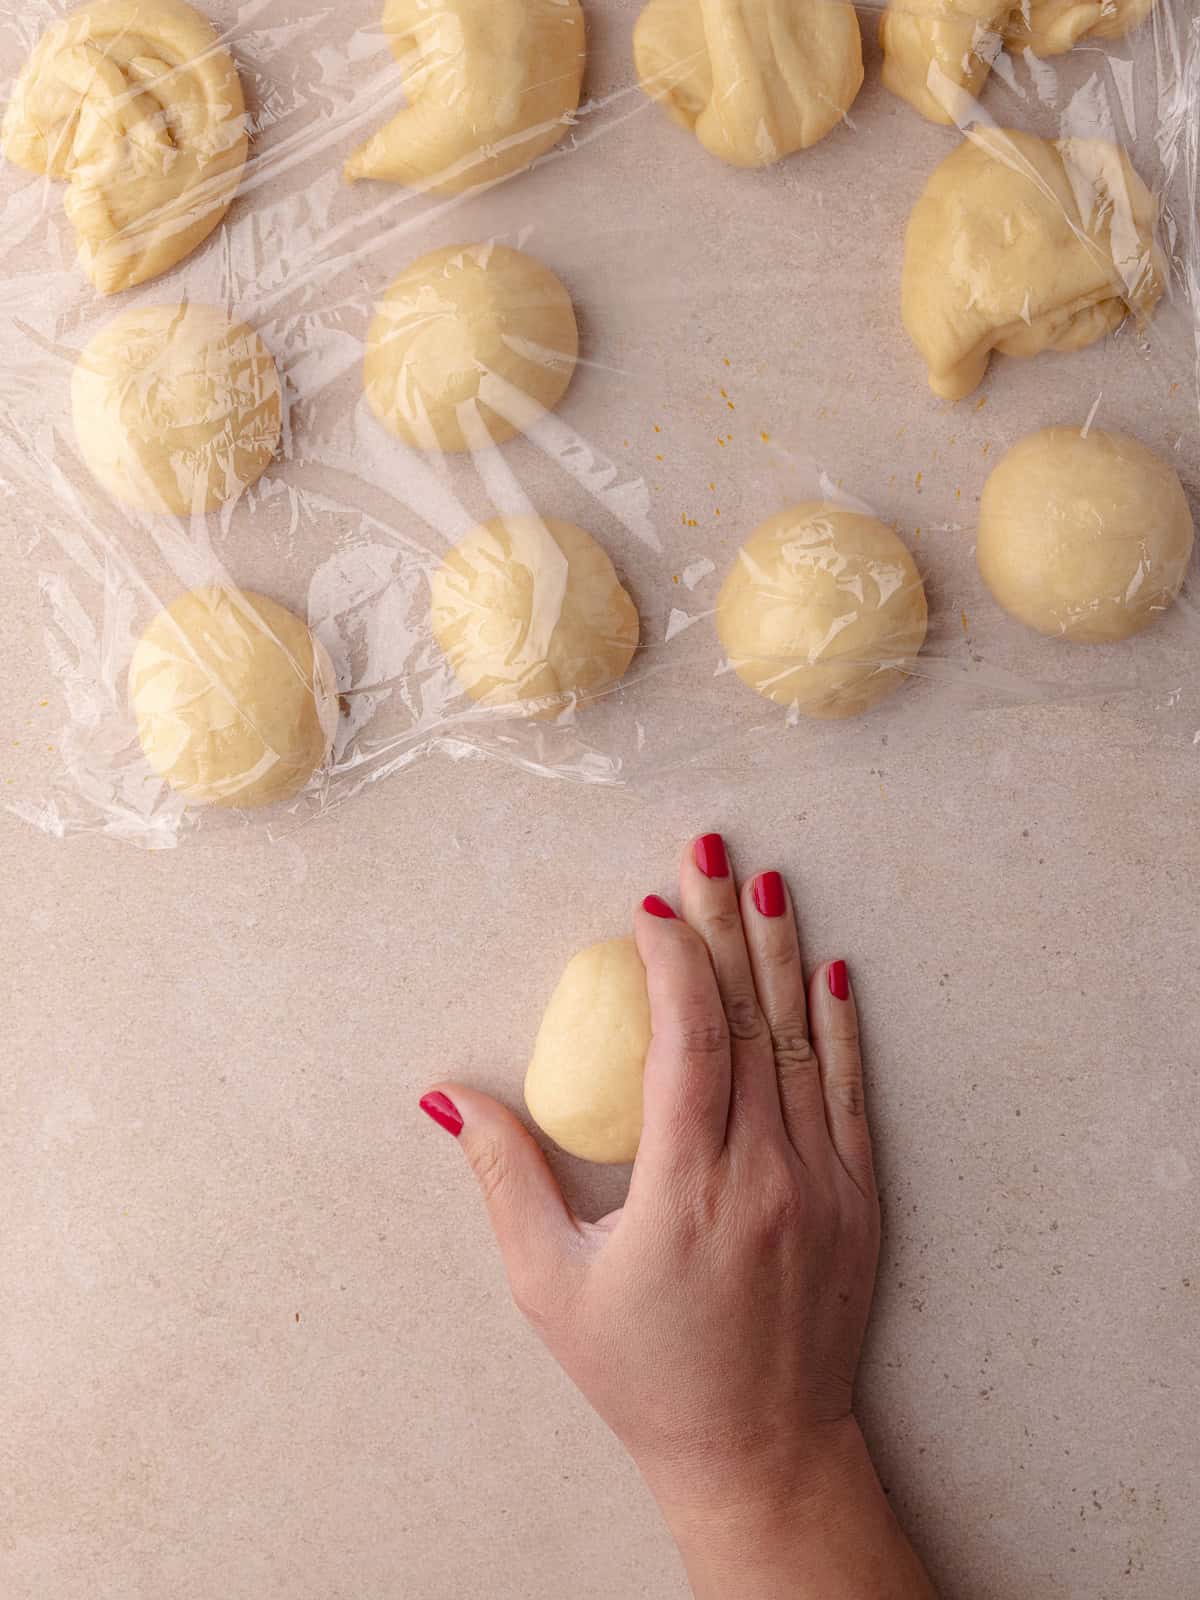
x=470 y=346
x=1084 y=535
x=176 y=408
x=823 y=612
x=1022 y=245
x=490 y=84
x=938 y=54
x=754 y=80
x=584 y=1083
x=530 y=613
x=138 y=107
x=235 y=700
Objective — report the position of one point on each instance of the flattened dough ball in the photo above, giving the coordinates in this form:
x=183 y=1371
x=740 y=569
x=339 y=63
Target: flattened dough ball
x=529 y=612
x=1022 y=245
x=491 y=85
x=1086 y=536
x=138 y=106
x=754 y=80
x=468 y=346
x=823 y=611
x=177 y=409
x=235 y=700
x=584 y=1083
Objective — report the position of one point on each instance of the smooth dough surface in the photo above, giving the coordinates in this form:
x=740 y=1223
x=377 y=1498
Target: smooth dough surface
x=754 y=80
x=584 y=1083
x=1086 y=536
x=938 y=54
x=176 y=408
x=138 y=106
x=490 y=85
x=235 y=700
x=823 y=611
x=529 y=612
x=1020 y=245
x=468 y=346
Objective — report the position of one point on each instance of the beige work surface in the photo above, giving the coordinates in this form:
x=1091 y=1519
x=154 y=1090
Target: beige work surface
x=255 y=1341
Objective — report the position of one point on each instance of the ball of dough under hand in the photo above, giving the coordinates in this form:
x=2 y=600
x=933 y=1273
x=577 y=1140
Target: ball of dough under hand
x=491 y=85
x=1084 y=535
x=824 y=611
x=469 y=346
x=235 y=700
x=584 y=1083
x=177 y=409
x=137 y=105
x=754 y=80
x=1022 y=245
x=529 y=612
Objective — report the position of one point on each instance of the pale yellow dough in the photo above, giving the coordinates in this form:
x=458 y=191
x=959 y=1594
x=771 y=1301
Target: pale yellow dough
x=177 y=409
x=529 y=612
x=937 y=54
x=235 y=700
x=584 y=1083
x=823 y=612
x=754 y=80
x=137 y=105
x=490 y=84
x=469 y=345
x=1019 y=244
x=1084 y=535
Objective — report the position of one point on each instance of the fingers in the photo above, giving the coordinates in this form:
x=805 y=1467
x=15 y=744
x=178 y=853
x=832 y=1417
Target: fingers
x=709 y=899
x=835 y=1035
x=687 y=1082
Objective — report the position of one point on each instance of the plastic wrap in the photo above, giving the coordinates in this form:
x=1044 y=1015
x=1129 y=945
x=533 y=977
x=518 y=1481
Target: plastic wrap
x=487 y=270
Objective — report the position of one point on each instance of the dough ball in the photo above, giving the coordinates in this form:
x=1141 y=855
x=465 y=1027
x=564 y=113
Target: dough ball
x=754 y=80
x=235 y=700
x=1085 y=536
x=136 y=104
x=824 y=611
x=529 y=611
x=1022 y=245
x=584 y=1083
x=491 y=85
x=176 y=408
x=471 y=344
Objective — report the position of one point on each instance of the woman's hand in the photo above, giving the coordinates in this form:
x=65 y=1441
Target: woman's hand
x=716 y=1321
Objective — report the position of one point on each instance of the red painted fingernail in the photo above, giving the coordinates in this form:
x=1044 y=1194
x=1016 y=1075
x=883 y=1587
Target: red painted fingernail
x=658 y=908
x=769 y=895
x=839 y=981
x=444 y=1112
x=710 y=856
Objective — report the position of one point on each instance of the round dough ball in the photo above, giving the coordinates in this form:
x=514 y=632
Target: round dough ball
x=823 y=611
x=529 y=612
x=584 y=1083
x=1086 y=536
x=235 y=700
x=469 y=346
x=177 y=409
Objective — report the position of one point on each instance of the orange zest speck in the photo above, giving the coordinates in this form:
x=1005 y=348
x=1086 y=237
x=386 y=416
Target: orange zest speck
x=981 y=402
x=765 y=437
x=965 y=623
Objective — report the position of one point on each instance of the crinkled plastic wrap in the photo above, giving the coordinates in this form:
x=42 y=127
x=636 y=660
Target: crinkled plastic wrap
x=588 y=387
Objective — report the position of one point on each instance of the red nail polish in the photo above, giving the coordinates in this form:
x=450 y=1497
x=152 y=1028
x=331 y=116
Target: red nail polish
x=769 y=895
x=658 y=908
x=711 y=857
x=443 y=1111
x=839 y=981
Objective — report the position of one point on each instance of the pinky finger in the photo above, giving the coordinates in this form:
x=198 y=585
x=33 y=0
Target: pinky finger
x=834 y=1022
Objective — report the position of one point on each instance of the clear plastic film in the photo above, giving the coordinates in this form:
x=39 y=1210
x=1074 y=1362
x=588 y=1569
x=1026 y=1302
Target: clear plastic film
x=588 y=388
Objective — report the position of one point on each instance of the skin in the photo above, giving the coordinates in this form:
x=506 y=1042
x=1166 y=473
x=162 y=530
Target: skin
x=716 y=1321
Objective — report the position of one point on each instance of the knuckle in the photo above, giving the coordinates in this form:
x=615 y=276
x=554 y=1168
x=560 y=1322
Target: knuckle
x=744 y=1018
x=702 y=1035
x=848 y=1095
x=780 y=959
x=793 y=1050
x=492 y=1168
x=724 y=923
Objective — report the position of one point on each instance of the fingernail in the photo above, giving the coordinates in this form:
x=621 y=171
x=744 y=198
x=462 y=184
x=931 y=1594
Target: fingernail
x=769 y=895
x=839 y=981
x=710 y=856
x=443 y=1111
x=658 y=908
